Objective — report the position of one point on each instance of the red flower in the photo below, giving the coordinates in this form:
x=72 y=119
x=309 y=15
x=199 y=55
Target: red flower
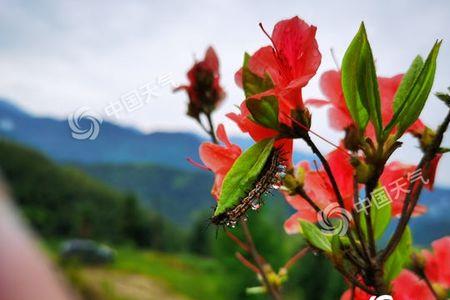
x=291 y=61
x=219 y=159
x=318 y=187
x=397 y=177
x=258 y=132
x=340 y=117
x=437 y=263
x=406 y=286
x=204 y=90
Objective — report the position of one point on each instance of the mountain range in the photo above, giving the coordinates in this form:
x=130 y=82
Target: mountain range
x=154 y=167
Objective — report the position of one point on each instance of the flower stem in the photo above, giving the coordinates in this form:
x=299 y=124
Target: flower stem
x=274 y=292
x=412 y=198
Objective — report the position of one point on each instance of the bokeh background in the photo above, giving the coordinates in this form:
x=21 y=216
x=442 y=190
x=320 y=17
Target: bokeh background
x=130 y=187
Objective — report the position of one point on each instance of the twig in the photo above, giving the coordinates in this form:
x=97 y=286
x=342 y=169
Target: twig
x=247 y=263
x=327 y=168
x=354 y=280
x=430 y=286
x=235 y=239
x=412 y=198
x=296 y=257
x=259 y=264
x=211 y=128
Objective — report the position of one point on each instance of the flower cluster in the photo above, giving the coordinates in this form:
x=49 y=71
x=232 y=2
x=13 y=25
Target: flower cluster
x=374 y=112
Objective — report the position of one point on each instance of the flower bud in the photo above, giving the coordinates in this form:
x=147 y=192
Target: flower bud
x=364 y=171
x=352 y=139
x=426 y=138
x=290 y=183
x=302 y=122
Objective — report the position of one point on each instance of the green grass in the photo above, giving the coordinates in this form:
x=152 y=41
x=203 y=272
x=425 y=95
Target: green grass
x=195 y=277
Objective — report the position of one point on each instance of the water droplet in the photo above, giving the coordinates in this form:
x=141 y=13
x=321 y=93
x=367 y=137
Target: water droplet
x=281 y=168
x=232 y=224
x=255 y=205
x=281 y=175
x=276 y=186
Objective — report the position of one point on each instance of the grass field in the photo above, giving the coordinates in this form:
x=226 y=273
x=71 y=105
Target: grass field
x=139 y=275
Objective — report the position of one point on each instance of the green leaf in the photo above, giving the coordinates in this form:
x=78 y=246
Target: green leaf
x=380 y=213
x=359 y=83
x=243 y=175
x=252 y=83
x=264 y=111
x=407 y=82
x=399 y=258
x=410 y=103
x=315 y=236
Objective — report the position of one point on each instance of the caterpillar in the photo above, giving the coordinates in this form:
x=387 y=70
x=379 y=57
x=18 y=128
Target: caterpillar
x=269 y=178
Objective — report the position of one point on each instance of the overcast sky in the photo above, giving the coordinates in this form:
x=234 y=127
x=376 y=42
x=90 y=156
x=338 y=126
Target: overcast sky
x=56 y=56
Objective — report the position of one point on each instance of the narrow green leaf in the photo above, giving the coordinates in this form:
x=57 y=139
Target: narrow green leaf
x=359 y=83
x=253 y=84
x=380 y=212
x=315 y=236
x=399 y=258
x=410 y=108
x=407 y=82
x=243 y=174
x=264 y=111
x=403 y=90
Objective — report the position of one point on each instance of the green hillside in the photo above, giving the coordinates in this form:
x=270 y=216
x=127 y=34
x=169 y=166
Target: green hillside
x=174 y=193
x=63 y=202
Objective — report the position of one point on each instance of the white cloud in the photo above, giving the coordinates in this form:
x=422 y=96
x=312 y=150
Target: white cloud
x=58 y=56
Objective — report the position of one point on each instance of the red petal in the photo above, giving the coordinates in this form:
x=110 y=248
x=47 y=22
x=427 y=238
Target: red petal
x=409 y=286
x=211 y=61
x=296 y=46
x=292 y=225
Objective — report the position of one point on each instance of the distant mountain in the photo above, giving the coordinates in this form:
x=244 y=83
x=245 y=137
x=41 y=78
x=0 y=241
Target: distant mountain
x=114 y=144
x=177 y=194
x=180 y=194
x=64 y=202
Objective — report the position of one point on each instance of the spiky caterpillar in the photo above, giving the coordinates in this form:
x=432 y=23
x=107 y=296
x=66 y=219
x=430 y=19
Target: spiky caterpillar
x=252 y=200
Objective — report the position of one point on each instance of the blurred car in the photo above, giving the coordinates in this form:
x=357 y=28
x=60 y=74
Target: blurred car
x=86 y=252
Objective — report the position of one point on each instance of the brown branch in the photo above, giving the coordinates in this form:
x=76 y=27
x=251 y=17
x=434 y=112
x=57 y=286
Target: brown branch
x=247 y=263
x=327 y=168
x=430 y=286
x=295 y=258
x=301 y=192
x=259 y=263
x=235 y=239
x=211 y=128
x=412 y=198
x=354 y=280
